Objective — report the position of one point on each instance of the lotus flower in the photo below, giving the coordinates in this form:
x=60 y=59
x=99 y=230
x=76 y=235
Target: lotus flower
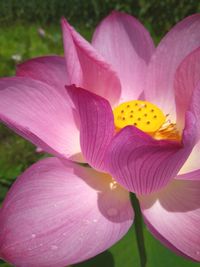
x=136 y=109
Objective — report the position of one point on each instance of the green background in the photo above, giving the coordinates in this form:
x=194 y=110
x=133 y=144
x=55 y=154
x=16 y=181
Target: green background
x=19 y=24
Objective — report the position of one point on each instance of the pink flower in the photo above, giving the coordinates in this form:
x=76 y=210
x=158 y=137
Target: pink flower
x=58 y=212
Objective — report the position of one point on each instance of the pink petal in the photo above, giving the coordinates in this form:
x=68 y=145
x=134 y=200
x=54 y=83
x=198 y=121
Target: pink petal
x=175 y=46
x=58 y=215
x=86 y=68
x=96 y=125
x=144 y=165
x=37 y=112
x=49 y=69
x=194 y=106
x=186 y=80
x=127 y=45
x=193 y=161
x=173 y=216
x=193 y=175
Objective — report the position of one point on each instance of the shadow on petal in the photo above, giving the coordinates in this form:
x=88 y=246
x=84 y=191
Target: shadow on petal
x=113 y=200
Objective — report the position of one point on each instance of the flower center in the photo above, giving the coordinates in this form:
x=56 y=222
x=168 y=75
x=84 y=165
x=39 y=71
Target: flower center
x=146 y=117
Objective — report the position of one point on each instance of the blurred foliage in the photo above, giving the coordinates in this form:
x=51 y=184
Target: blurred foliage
x=22 y=37
x=159 y=15
x=25 y=41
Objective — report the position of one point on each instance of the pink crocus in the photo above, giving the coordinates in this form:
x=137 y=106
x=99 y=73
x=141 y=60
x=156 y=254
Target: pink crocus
x=59 y=212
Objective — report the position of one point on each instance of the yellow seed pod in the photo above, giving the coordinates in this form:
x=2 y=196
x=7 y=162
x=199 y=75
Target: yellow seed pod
x=142 y=114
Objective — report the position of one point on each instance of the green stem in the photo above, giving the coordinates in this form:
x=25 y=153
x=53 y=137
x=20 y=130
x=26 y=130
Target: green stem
x=138 y=223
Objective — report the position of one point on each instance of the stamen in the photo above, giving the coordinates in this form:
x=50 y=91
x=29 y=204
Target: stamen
x=167 y=131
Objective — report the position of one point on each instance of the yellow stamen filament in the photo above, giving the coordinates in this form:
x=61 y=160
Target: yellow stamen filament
x=146 y=117
x=167 y=131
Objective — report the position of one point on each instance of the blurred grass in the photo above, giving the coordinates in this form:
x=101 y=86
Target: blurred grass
x=159 y=14
x=24 y=40
x=16 y=154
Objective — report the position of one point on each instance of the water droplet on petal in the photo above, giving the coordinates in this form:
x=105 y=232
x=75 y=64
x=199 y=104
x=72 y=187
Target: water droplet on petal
x=112 y=212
